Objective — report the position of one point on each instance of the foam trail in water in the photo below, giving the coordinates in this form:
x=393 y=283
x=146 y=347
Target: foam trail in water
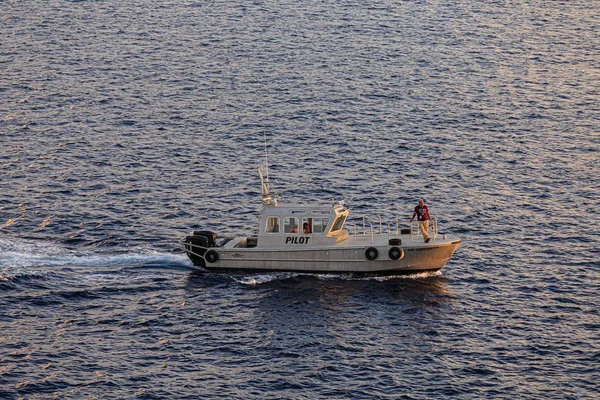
x=24 y=254
x=419 y=275
x=253 y=280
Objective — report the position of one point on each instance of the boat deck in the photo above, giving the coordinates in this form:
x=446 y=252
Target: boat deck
x=358 y=241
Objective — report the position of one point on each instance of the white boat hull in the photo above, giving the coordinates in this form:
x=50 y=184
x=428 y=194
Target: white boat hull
x=346 y=258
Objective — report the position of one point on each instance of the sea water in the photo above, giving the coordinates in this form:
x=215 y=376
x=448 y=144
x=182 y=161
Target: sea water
x=126 y=125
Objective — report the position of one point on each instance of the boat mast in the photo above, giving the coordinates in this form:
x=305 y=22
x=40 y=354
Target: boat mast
x=264 y=184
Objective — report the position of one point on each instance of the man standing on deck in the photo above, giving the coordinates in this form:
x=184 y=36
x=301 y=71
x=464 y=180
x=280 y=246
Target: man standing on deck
x=423 y=218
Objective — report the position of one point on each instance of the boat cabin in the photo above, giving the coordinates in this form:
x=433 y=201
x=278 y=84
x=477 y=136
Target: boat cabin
x=294 y=225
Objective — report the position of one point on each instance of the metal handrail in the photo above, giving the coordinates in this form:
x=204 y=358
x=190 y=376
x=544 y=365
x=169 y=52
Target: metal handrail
x=367 y=220
x=416 y=232
x=368 y=227
x=191 y=248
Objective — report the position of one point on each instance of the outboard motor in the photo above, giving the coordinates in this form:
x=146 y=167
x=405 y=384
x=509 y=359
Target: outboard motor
x=197 y=244
x=211 y=236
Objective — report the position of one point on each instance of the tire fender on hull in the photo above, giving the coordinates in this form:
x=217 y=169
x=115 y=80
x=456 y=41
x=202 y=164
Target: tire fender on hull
x=396 y=253
x=371 y=253
x=211 y=256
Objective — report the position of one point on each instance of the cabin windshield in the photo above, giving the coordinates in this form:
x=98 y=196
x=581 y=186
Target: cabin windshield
x=338 y=223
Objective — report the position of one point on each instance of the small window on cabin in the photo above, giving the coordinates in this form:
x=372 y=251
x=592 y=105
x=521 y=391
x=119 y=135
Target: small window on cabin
x=307 y=225
x=320 y=225
x=290 y=225
x=338 y=223
x=272 y=225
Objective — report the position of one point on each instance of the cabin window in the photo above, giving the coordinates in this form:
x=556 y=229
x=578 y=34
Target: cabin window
x=272 y=225
x=307 y=225
x=290 y=225
x=338 y=223
x=320 y=225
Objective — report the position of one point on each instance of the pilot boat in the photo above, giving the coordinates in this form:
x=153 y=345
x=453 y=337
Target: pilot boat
x=318 y=238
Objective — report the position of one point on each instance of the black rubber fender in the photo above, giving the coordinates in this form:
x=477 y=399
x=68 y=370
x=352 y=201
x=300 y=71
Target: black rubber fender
x=371 y=253
x=396 y=253
x=211 y=256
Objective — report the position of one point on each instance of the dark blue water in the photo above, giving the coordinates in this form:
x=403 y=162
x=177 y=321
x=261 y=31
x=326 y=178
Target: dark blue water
x=125 y=125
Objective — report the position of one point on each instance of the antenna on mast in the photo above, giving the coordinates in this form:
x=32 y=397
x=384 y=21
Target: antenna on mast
x=266 y=155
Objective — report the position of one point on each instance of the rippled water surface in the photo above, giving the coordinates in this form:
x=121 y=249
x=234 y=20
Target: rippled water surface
x=125 y=125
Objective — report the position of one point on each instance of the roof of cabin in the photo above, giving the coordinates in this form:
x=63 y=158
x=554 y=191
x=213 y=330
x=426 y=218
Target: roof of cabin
x=314 y=209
